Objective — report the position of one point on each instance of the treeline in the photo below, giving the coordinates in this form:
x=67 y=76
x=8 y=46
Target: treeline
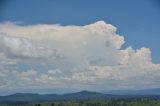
x=111 y=102
x=108 y=102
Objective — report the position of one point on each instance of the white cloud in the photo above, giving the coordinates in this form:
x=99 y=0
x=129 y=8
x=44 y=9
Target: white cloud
x=20 y=47
x=80 y=57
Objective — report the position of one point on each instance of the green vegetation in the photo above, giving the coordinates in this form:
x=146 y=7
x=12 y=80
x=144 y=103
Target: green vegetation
x=93 y=102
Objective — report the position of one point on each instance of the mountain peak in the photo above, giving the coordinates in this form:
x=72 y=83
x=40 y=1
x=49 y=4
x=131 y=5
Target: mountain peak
x=84 y=92
x=22 y=94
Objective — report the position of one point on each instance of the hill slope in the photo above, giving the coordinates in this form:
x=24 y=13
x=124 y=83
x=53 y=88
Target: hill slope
x=83 y=95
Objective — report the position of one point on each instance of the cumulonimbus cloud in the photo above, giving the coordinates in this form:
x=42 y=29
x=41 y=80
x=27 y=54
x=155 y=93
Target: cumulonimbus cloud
x=79 y=57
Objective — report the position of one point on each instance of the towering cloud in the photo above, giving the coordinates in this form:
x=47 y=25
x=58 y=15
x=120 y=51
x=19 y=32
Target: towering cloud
x=75 y=57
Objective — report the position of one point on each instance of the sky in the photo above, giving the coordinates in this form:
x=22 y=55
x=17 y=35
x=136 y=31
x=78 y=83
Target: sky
x=70 y=45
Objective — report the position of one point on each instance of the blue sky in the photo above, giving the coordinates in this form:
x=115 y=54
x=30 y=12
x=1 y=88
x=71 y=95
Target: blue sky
x=71 y=45
x=137 y=20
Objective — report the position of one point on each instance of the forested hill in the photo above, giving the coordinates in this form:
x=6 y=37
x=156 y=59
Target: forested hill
x=83 y=95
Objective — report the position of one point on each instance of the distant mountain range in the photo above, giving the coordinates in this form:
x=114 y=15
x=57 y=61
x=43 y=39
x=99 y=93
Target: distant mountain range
x=83 y=95
x=155 y=91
